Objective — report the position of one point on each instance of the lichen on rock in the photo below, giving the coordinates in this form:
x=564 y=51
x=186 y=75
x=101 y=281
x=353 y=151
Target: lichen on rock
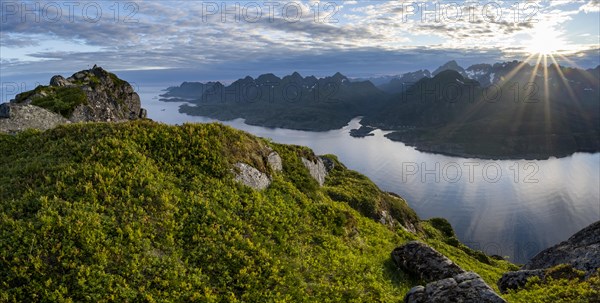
x=251 y=176
x=316 y=169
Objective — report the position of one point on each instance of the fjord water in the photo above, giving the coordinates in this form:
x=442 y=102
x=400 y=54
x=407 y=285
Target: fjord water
x=509 y=208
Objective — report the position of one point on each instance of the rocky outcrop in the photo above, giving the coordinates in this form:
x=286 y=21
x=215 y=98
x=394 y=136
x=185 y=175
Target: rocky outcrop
x=448 y=282
x=316 y=169
x=93 y=95
x=582 y=251
x=251 y=176
x=19 y=117
x=109 y=98
x=518 y=279
x=254 y=178
x=425 y=262
x=464 y=287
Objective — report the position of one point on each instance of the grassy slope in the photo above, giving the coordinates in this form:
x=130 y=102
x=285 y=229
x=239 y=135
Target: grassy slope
x=143 y=211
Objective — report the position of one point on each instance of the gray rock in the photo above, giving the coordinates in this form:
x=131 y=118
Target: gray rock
x=518 y=279
x=59 y=80
x=4 y=110
x=143 y=113
x=251 y=176
x=108 y=99
x=274 y=161
x=329 y=164
x=316 y=169
x=425 y=262
x=79 y=75
x=582 y=251
x=464 y=287
x=447 y=281
x=19 y=117
x=415 y=295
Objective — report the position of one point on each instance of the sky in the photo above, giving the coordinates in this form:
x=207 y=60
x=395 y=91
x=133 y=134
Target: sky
x=224 y=40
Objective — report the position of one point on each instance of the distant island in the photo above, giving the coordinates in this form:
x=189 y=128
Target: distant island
x=503 y=111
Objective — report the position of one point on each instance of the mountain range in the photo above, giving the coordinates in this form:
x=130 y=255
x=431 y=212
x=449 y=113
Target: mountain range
x=505 y=110
x=305 y=103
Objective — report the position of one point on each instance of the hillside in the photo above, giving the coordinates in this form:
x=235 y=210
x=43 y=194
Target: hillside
x=142 y=211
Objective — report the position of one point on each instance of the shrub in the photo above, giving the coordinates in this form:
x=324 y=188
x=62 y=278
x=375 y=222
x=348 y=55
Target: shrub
x=61 y=100
x=442 y=225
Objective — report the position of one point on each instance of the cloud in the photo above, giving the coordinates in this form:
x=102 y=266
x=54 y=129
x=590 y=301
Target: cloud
x=591 y=6
x=177 y=34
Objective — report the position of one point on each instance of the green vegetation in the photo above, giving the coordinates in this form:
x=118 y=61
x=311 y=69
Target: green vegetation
x=58 y=99
x=116 y=80
x=363 y=195
x=146 y=212
x=564 y=288
x=442 y=225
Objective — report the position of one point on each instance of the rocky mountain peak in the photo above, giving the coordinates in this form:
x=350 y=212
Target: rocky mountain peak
x=339 y=77
x=267 y=78
x=450 y=65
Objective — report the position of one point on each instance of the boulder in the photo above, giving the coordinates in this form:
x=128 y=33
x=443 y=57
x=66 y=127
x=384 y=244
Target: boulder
x=464 y=287
x=316 y=169
x=274 y=161
x=59 y=80
x=425 y=262
x=251 y=176
x=416 y=295
x=447 y=281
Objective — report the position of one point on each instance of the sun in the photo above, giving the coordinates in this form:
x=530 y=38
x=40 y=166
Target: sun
x=545 y=41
